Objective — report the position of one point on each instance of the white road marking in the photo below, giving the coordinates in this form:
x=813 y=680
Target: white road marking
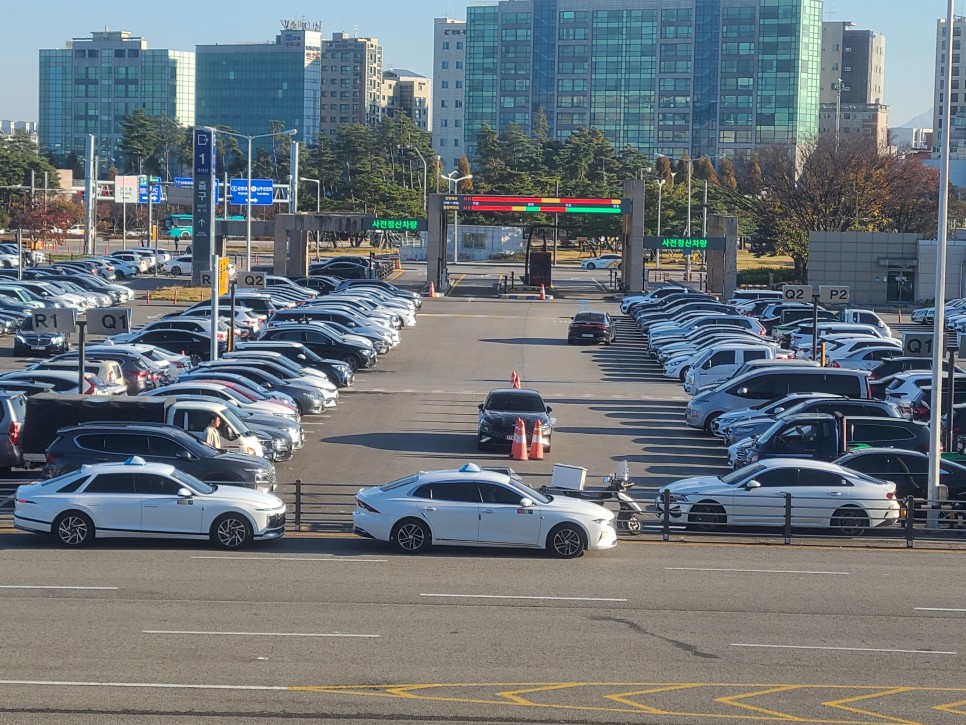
x=510 y=596
x=758 y=571
x=260 y=634
x=937 y=609
x=294 y=558
x=847 y=649
x=32 y=586
x=153 y=685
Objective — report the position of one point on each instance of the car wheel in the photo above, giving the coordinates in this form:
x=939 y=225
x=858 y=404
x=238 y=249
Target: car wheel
x=591 y=265
x=629 y=523
x=570 y=341
x=351 y=361
x=176 y=271
x=73 y=529
x=709 y=421
x=850 y=522
x=231 y=531
x=684 y=374
x=566 y=541
x=707 y=517
x=411 y=536
x=185 y=235
x=118 y=274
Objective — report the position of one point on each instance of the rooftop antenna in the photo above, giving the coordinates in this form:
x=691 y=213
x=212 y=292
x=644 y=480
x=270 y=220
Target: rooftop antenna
x=355 y=31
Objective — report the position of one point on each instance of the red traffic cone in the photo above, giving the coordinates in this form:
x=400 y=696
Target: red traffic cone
x=543 y=292
x=432 y=290
x=536 y=447
x=514 y=380
x=518 y=448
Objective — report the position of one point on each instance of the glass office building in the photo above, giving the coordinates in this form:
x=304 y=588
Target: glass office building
x=697 y=77
x=247 y=86
x=90 y=86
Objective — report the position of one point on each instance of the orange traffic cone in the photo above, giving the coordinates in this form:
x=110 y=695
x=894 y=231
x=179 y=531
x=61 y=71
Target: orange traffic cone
x=518 y=448
x=543 y=292
x=536 y=447
x=432 y=290
x=514 y=379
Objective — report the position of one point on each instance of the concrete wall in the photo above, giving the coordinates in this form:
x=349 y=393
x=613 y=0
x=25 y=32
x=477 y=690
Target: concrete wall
x=955 y=267
x=853 y=259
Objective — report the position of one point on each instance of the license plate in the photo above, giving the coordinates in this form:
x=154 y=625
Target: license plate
x=37 y=347
x=509 y=437
x=586 y=334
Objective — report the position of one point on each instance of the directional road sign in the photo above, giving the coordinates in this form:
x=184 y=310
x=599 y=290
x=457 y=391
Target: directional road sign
x=63 y=319
x=262 y=192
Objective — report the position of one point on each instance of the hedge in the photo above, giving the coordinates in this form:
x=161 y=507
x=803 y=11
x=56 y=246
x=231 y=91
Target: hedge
x=766 y=275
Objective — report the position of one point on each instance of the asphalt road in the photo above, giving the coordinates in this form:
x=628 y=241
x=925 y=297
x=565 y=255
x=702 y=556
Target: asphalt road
x=332 y=628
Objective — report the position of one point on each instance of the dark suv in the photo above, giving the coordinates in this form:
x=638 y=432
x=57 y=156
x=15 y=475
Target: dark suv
x=77 y=445
x=323 y=343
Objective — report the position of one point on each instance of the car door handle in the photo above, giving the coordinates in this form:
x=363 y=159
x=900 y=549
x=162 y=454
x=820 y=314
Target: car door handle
x=429 y=508
x=487 y=511
x=833 y=493
x=150 y=506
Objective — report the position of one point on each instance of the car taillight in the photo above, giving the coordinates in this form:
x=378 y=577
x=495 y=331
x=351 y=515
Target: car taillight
x=835 y=364
x=50 y=458
x=891 y=495
x=140 y=375
x=13 y=432
x=363 y=505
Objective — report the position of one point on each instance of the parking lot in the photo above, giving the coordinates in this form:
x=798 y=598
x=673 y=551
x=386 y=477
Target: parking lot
x=326 y=626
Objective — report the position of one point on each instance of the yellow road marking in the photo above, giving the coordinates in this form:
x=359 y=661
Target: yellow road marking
x=513 y=695
x=840 y=705
x=458 y=280
x=732 y=700
x=623 y=697
x=951 y=707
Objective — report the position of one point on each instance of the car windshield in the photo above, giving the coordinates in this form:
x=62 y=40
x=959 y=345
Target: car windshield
x=192 y=482
x=516 y=403
x=530 y=493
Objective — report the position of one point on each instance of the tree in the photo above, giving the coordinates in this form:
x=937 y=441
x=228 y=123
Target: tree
x=139 y=140
x=462 y=171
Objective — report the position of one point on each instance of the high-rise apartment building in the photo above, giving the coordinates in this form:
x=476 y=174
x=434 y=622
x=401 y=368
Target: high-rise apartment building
x=957 y=100
x=248 y=86
x=94 y=83
x=853 y=75
x=408 y=93
x=449 y=58
x=697 y=77
x=351 y=82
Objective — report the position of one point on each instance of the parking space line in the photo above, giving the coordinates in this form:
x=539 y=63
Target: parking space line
x=937 y=609
x=37 y=586
x=260 y=634
x=512 y=596
x=294 y=558
x=846 y=649
x=757 y=571
x=150 y=685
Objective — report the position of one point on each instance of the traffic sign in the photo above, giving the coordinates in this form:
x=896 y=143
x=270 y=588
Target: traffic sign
x=797 y=292
x=262 y=192
x=833 y=294
x=126 y=189
x=184 y=182
x=62 y=319
x=155 y=194
x=251 y=279
x=205 y=276
x=108 y=320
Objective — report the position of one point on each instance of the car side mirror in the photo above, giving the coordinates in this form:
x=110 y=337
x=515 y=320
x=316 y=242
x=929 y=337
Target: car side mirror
x=779 y=411
x=184 y=456
x=185 y=493
x=480 y=406
x=549 y=409
x=526 y=502
x=753 y=484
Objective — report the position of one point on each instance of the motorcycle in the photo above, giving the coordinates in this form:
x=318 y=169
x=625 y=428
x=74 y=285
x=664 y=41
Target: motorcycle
x=629 y=511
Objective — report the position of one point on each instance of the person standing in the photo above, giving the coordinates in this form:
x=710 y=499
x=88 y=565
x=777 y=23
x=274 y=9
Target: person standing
x=212 y=436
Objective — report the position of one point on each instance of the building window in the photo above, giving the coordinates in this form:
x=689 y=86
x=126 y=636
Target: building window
x=444 y=84
x=444 y=64
x=446 y=45
x=459 y=45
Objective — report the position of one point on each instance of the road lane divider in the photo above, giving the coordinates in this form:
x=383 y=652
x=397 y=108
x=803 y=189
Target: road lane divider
x=57 y=587
x=524 y=597
x=846 y=649
x=338 y=560
x=261 y=634
x=757 y=571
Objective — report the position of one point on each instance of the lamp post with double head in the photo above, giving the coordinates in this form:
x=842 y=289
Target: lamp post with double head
x=454 y=187
x=248 y=191
x=425 y=170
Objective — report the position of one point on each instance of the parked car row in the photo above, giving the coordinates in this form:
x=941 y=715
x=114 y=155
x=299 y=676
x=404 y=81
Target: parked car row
x=831 y=436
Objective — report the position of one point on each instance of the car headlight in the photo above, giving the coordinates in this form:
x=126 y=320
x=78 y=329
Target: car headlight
x=278 y=444
x=601 y=521
x=20 y=338
x=313 y=396
x=259 y=472
x=678 y=498
x=752 y=458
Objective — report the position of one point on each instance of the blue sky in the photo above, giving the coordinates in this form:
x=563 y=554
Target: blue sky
x=404 y=27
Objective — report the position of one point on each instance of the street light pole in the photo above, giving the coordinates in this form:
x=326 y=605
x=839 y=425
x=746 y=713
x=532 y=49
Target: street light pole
x=425 y=171
x=318 y=207
x=660 y=187
x=248 y=191
x=455 y=190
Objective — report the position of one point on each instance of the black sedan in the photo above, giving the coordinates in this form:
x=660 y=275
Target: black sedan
x=591 y=327
x=498 y=417
x=196 y=344
x=909 y=470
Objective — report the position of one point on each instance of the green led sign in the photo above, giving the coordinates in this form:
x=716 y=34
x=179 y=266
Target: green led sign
x=398 y=225
x=685 y=243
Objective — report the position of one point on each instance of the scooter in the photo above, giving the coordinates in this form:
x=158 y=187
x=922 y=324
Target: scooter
x=629 y=510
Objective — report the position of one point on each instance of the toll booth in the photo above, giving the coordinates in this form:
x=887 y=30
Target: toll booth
x=538 y=269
